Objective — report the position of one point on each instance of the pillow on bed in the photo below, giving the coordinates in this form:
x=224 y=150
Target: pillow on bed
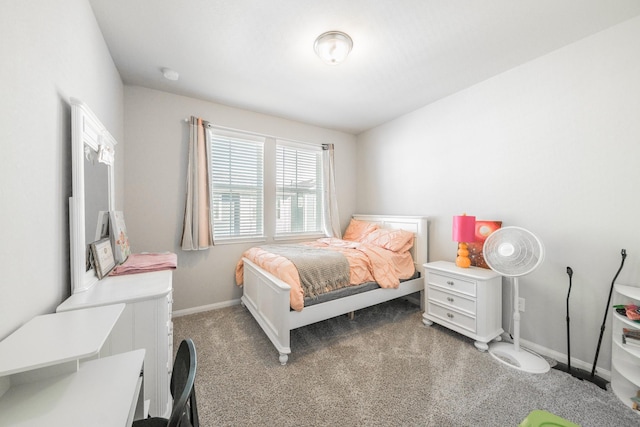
x=393 y=240
x=358 y=229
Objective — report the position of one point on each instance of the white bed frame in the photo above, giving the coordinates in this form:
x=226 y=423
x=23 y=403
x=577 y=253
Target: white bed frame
x=267 y=297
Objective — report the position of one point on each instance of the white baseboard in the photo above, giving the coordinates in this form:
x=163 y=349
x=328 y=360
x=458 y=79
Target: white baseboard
x=204 y=308
x=560 y=357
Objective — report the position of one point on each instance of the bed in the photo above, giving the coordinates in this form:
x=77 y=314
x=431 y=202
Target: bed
x=268 y=298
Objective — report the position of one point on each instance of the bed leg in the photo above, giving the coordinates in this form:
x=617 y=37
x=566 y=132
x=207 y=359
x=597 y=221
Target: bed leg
x=283 y=358
x=352 y=315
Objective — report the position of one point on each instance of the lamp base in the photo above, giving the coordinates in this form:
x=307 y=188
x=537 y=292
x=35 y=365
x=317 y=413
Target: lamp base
x=462 y=260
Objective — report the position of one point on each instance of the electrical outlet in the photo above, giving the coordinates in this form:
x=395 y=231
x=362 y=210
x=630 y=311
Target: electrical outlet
x=521 y=304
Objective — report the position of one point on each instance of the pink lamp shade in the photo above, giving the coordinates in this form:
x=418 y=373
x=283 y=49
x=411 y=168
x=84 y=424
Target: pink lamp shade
x=464 y=228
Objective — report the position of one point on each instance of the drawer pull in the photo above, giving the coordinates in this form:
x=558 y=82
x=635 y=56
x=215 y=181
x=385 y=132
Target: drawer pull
x=450 y=282
x=449 y=299
x=450 y=316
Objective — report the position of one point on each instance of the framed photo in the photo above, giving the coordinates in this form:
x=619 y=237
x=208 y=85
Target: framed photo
x=483 y=230
x=102 y=257
x=102 y=229
x=119 y=237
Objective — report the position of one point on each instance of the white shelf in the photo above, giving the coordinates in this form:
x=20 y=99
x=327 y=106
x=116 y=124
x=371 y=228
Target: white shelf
x=626 y=362
x=625 y=358
x=632 y=292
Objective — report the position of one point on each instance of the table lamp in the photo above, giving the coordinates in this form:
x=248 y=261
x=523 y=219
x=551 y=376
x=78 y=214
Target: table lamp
x=464 y=231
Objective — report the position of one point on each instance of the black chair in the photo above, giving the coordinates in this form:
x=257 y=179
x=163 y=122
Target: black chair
x=185 y=411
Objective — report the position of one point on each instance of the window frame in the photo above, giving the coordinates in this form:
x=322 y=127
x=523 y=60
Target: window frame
x=241 y=137
x=319 y=190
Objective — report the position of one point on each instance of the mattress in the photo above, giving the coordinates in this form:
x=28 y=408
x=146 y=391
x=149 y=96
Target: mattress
x=348 y=291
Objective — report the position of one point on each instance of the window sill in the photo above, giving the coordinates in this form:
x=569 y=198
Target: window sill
x=240 y=240
x=298 y=237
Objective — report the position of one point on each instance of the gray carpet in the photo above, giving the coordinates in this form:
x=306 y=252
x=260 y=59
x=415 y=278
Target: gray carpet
x=384 y=368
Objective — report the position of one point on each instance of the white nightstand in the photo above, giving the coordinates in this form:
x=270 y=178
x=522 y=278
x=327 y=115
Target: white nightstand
x=465 y=300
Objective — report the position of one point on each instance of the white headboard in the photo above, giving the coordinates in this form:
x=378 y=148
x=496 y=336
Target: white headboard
x=418 y=225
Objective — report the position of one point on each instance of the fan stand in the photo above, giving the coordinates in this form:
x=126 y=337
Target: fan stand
x=510 y=353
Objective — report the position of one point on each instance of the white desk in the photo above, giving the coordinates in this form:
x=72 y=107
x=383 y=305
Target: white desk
x=45 y=378
x=53 y=339
x=103 y=392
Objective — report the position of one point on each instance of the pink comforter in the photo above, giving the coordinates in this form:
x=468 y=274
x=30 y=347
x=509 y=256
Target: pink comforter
x=367 y=263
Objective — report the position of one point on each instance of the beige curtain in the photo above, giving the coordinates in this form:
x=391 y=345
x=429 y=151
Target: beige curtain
x=197 y=231
x=331 y=216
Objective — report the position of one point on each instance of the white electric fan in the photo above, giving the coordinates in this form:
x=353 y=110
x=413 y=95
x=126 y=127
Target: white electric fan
x=514 y=252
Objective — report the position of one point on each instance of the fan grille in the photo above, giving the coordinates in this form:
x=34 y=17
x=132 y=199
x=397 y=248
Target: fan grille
x=513 y=251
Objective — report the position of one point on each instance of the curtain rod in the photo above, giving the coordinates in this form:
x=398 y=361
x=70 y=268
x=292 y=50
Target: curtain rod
x=212 y=126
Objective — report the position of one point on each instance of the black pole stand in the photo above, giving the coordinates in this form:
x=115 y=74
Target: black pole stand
x=573 y=371
x=604 y=320
x=581 y=373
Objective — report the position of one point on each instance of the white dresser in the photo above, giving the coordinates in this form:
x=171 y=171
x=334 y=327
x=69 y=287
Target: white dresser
x=144 y=324
x=465 y=300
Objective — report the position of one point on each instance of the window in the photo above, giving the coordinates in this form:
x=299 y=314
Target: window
x=237 y=195
x=298 y=189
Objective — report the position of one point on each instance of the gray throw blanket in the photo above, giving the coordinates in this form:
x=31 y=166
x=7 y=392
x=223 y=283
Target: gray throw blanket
x=320 y=270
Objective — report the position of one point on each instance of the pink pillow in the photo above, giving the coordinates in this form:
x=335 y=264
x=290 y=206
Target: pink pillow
x=357 y=230
x=393 y=240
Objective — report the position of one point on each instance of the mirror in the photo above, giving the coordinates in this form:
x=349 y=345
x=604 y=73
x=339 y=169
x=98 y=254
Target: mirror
x=96 y=194
x=93 y=153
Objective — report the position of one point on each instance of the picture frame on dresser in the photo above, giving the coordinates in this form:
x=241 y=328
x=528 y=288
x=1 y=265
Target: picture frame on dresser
x=119 y=236
x=102 y=228
x=102 y=256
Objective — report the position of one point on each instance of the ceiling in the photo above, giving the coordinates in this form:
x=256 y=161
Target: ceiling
x=258 y=54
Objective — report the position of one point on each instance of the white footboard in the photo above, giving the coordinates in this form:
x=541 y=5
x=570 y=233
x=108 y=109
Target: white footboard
x=267 y=298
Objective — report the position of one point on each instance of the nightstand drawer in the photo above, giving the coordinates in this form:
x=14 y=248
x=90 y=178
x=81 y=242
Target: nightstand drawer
x=455 y=301
x=453 y=283
x=452 y=317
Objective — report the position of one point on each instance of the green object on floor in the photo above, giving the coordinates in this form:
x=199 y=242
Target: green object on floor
x=539 y=418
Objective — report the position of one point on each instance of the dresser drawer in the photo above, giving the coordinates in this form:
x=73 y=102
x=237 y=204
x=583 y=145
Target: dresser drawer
x=452 y=317
x=454 y=301
x=454 y=283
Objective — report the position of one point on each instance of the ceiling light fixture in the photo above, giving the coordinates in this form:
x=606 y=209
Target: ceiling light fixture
x=170 y=74
x=333 y=47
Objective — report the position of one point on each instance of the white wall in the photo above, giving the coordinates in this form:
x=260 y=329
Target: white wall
x=552 y=146
x=156 y=163
x=51 y=51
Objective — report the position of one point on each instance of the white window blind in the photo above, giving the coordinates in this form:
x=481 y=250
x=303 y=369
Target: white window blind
x=298 y=189
x=237 y=189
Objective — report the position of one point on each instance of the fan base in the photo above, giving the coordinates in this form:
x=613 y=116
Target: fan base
x=523 y=359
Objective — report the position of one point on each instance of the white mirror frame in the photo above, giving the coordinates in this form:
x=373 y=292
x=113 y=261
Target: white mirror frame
x=86 y=131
